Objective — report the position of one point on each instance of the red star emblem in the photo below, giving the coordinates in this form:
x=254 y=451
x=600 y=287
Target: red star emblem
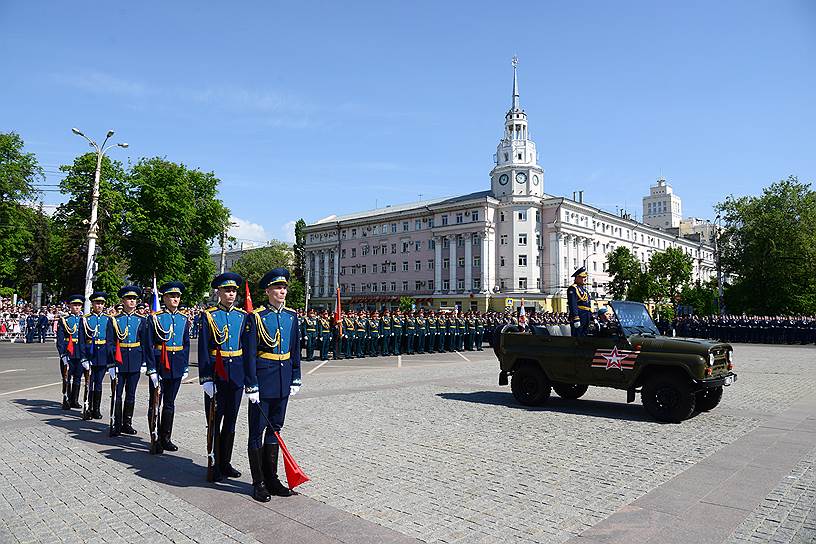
x=614 y=359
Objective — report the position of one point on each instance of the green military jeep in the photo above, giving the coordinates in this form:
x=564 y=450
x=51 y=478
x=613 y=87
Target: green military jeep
x=675 y=376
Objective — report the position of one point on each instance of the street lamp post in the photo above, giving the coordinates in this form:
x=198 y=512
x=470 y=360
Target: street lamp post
x=719 y=268
x=93 y=227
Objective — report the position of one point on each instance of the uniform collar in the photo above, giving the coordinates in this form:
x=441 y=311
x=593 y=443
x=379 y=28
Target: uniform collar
x=276 y=310
x=221 y=306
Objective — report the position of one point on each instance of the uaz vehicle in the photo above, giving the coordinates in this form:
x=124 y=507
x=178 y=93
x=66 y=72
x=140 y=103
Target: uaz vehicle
x=675 y=376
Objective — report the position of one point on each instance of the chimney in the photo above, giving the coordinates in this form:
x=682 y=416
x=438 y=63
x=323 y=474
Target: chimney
x=581 y=197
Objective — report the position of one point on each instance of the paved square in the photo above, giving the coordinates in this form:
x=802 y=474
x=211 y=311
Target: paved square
x=429 y=448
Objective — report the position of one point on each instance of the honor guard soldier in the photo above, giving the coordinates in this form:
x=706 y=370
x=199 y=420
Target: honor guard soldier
x=96 y=350
x=171 y=357
x=386 y=335
x=324 y=334
x=310 y=333
x=460 y=332
x=579 y=303
x=70 y=354
x=374 y=334
x=362 y=335
x=348 y=334
x=31 y=328
x=410 y=332
x=272 y=370
x=133 y=348
x=221 y=369
x=480 y=328
x=420 y=331
x=396 y=330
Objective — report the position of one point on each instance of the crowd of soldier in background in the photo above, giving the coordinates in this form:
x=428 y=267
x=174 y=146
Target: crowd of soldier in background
x=365 y=333
x=749 y=328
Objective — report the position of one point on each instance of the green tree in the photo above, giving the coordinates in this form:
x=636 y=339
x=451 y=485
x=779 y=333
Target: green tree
x=173 y=215
x=406 y=304
x=767 y=244
x=69 y=248
x=36 y=266
x=624 y=267
x=671 y=270
x=701 y=296
x=299 y=250
x=19 y=171
x=254 y=263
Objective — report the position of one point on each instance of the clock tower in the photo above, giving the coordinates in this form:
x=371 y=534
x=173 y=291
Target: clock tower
x=517 y=172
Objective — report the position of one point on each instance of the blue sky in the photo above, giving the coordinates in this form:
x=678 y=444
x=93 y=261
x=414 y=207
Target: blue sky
x=312 y=108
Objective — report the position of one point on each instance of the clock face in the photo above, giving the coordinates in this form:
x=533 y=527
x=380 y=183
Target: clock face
x=503 y=179
x=535 y=179
x=521 y=177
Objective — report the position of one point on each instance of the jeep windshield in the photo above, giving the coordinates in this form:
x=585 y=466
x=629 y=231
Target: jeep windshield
x=634 y=318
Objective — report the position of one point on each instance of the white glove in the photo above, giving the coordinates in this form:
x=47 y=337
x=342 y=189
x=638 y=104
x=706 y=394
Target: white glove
x=86 y=365
x=154 y=378
x=112 y=372
x=209 y=388
x=184 y=376
x=293 y=390
x=254 y=398
x=143 y=368
x=65 y=360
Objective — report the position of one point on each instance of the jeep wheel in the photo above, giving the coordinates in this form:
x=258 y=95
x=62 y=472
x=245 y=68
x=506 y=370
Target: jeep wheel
x=530 y=386
x=570 y=391
x=668 y=399
x=708 y=398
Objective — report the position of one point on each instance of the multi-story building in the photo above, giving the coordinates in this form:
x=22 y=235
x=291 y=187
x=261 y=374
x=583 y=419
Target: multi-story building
x=662 y=209
x=478 y=250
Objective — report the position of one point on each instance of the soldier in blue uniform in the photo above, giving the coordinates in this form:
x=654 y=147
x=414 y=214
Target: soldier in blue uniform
x=272 y=370
x=70 y=353
x=132 y=349
x=221 y=366
x=96 y=349
x=579 y=303
x=171 y=356
x=42 y=326
x=31 y=328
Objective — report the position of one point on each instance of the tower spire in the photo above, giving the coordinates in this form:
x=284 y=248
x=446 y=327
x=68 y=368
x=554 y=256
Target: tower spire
x=515 y=85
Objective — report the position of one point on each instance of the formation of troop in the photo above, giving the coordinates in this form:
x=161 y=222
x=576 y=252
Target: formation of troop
x=240 y=352
x=749 y=328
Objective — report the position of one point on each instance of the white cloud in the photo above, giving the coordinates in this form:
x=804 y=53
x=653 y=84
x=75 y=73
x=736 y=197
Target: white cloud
x=99 y=82
x=248 y=233
x=288 y=230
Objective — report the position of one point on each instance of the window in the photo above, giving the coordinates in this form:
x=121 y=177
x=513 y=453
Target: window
x=417 y=266
x=445 y=263
x=405 y=226
x=477 y=283
x=522 y=239
x=431 y=223
x=538 y=240
x=405 y=266
x=460 y=262
x=417 y=224
x=376 y=250
x=538 y=283
x=393 y=228
x=522 y=283
x=405 y=286
x=446 y=285
x=594 y=266
x=363 y=269
x=474 y=216
x=353 y=233
x=432 y=244
x=476 y=239
x=501 y=261
x=522 y=215
x=374 y=287
x=342 y=253
x=354 y=252
x=445 y=243
x=430 y=264
x=393 y=286
x=503 y=239
x=502 y=284
x=501 y=216
x=393 y=248
x=418 y=285
x=384 y=228
x=538 y=216
x=384 y=249
x=460 y=241
x=342 y=270
x=353 y=270
x=444 y=220
x=393 y=267
x=459 y=217
x=477 y=261
x=538 y=260
x=430 y=285
x=353 y=287
x=522 y=260
x=418 y=245
x=460 y=284
x=373 y=268
x=405 y=247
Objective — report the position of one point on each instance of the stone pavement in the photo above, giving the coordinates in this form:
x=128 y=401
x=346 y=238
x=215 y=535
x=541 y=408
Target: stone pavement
x=430 y=448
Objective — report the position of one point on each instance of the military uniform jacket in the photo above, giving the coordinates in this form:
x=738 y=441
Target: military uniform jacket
x=132 y=333
x=396 y=326
x=348 y=327
x=69 y=327
x=385 y=326
x=271 y=355
x=579 y=302
x=93 y=334
x=309 y=327
x=323 y=327
x=171 y=335
x=222 y=330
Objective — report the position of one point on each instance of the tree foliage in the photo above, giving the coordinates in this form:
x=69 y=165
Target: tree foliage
x=299 y=250
x=624 y=267
x=670 y=270
x=768 y=243
x=254 y=263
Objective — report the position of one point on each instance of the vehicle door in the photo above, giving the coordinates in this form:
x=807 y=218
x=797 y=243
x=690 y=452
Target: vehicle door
x=603 y=360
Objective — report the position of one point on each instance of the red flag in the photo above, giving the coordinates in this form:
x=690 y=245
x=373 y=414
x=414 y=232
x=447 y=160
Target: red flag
x=70 y=347
x=164 y=357
x=117 y=356
x=294 y=474
x=337 y=312
x=247 y=298
x=220 y=369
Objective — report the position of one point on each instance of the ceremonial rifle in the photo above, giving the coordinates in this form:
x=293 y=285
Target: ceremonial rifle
x=153 y=418
x=113 y=400
x=86 y=413
x=212 y=438
x=64 y=368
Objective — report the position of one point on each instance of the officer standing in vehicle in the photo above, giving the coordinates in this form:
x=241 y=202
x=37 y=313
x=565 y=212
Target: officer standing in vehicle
x=580 y=304
x=272 y=370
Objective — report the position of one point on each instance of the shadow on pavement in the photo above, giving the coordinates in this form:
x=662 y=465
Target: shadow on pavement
x=133 y=451
x=595 y=408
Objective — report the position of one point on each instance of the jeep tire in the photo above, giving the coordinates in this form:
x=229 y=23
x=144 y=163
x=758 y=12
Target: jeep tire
x=570 y=391
x=668 y=398
x=530 y=385
x=708 y=398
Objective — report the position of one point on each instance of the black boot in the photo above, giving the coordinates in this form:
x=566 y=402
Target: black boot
x=66 y=404
x=127 y=419
x=259 y=491
x=97 y=403
x=270 y=471
x=167 y=430
x=75 y=395
x=227 y=470
x=116 y=430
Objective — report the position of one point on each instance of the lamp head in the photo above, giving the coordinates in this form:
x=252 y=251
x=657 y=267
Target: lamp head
x=125 y=144
x=110 y=133
x=77 y=131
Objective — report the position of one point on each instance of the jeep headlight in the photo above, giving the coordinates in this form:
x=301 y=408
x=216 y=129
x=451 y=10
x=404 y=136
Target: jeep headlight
x=729 y=356
x=711 y=359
